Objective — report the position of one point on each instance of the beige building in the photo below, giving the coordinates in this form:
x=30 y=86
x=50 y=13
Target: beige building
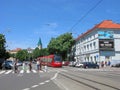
x=14 y=52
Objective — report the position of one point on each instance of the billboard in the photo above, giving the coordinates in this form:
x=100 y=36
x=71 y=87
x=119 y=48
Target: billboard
x=105 y=34
x=106 y=44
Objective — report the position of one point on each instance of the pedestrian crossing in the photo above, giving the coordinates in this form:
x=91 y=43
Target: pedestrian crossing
x=20 y=71
x=27 y=71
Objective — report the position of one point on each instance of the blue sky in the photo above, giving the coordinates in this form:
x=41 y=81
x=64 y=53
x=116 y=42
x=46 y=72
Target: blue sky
x=25 y=21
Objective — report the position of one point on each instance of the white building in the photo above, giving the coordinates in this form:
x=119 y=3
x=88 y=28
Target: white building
x=101 y=43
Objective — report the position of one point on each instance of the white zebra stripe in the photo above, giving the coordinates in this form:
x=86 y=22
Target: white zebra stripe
x=27 y=71
x=22 y=71
x=2 y=72
x=34 y=71
x=8 y=72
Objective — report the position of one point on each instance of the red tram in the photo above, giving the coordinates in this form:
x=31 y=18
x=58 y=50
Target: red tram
x=51 y=60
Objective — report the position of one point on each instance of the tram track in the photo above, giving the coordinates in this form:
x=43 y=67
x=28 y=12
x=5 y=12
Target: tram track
x=87 y=82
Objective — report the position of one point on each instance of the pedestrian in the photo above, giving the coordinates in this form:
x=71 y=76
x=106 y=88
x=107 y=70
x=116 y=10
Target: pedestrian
x=15 y=67
x=102 y=64
x=40 y=61
x=105 y=63
x=45 y=67
x=30 y=65
x=109 y=63
x=23 y=66
x=38 y=65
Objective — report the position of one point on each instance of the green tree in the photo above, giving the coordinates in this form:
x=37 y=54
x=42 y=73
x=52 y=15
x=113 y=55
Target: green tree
x=44 y=52
x=7 y=55
x=40 y=52
x=3 y=53
x=61 y=45
x=13 y=55
x=36 y=53
x=22 y=55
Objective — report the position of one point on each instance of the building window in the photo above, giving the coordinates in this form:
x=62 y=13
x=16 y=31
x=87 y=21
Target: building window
x=91 y=46
x=85 y=48
x=94 y=44
x=95 y=59
x=88 y=47
x=91 y=59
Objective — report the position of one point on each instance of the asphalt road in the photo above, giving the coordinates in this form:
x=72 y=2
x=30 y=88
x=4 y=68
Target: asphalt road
x=28 y=80
x=89 y=79
x=66 y=78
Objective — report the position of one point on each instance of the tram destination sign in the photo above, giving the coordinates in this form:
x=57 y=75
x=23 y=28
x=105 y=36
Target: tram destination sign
x=106 y=44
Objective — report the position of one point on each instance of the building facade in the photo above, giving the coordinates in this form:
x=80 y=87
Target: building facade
x=101 y=43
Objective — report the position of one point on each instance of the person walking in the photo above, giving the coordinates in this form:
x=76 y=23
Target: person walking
x=38 y=65
x=30 y=65
x=23 y=66
x=102 y=64
x=40 y=61
x=46 y=67
x=15 y=67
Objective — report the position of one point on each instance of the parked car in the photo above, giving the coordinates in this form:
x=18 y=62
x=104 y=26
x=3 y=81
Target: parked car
x=7 y=65
x=72 y=63
x=79 y=65
x=19 y=63
x=65 y=63
x=90 y=65
x=116 y=65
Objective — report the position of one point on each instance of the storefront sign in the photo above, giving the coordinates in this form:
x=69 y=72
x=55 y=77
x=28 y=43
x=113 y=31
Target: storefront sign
x=106 y=44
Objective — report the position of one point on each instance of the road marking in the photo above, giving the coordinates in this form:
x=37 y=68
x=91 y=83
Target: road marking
x=22 y=71
x=41 y=83
x=55 y=76
x=47 y=81
x=34 y=71
x=26 y=89
x=27 y=71
x=2 y=72
x=34 y=86
x=41 y=71
x=61 y=85
x=8 y=72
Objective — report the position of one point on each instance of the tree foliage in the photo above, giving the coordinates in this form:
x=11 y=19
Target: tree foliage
x=36 y=53
x=22 y=55
x=40 y=52
x=3 y=53
x=61 y=45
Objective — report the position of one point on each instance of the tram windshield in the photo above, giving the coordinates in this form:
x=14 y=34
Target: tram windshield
x=57 y=58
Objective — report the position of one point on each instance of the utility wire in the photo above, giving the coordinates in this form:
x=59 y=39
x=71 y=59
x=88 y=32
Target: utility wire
x=91 y=9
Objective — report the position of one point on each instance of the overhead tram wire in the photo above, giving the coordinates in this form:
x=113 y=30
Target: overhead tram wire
x=91 y=9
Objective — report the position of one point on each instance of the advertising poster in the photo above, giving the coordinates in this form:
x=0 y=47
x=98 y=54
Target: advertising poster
x=105 y=34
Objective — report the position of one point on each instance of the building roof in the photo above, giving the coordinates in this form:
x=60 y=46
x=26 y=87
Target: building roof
x=106 y=24
x=15 y=50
